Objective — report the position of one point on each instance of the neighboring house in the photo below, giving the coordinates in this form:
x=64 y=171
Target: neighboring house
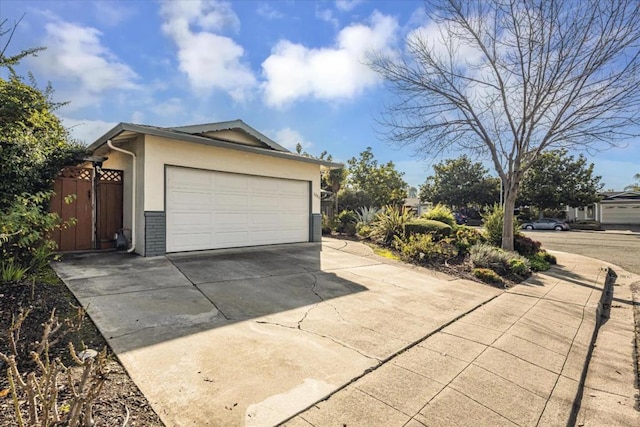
x=415 y=205
x=217 y=185
x=615 y=208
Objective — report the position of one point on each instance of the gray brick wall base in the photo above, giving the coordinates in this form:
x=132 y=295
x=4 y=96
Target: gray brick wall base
x=316 y=227
x=155 y=233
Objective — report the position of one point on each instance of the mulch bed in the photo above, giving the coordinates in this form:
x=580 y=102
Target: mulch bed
x=119 y=395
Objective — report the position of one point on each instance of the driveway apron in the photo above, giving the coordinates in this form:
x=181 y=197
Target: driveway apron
x=254 y=336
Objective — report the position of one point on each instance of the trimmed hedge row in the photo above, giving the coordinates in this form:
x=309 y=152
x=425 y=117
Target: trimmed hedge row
x=424 y=226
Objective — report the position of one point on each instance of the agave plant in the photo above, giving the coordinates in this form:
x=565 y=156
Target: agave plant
x=389 y=223
x=366 y=215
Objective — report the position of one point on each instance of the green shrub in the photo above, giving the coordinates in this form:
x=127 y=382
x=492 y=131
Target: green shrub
x=551 y=259
x=345 y=222
x=363 y=230
x=440 y=213
x=465 y=237
x=488 y=276
x=327 y=225
x=25 y=246
x=525 y=246
x=10 y=272
x=493 y=224
x=502 y=262
x=389 y=223
x=349 y=229
x=538 y=263
x=520 y=267
x=422 y=248
x=422 y=226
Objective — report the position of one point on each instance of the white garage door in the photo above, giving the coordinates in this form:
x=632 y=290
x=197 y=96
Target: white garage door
x=210 y=210
x=628 y=213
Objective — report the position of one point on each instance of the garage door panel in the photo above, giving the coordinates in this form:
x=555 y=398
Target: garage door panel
x=264 y=220
x=264 y=203
x=231 y=220
x=230 y=239
x=289 y=221
x=190 y=200
x=231 y=202
x=292 y=205
x=231 y=183
x=261 y=185
x=190 y=219
x=189 y=178
x=209 y=210
x=294 y=188
x=265 y=237
x=191 y=241
x=294 y=235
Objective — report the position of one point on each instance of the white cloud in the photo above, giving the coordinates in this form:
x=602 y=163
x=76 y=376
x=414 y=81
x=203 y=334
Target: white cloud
x=209 y=60
x=347 y=5
x=294 y=71
x=137 y=117
x=288 y=138
x=86 y=131
x=267 y=11
x=76 y=56
x=326 y=15
x=110 y=13
x=170 y=109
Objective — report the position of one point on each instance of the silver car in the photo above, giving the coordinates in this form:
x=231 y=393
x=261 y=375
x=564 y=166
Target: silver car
x=546 y=224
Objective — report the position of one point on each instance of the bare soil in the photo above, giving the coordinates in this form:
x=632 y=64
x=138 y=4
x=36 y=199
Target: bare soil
x=119 y=396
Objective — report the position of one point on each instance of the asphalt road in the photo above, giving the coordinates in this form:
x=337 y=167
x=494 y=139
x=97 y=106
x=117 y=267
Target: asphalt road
x=618 y=249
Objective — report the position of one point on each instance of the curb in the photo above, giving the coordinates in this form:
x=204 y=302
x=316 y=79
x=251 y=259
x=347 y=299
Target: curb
x=602 y=313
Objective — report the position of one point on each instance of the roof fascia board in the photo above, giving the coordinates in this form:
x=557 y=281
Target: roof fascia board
x=168 y=134
x=230 y=125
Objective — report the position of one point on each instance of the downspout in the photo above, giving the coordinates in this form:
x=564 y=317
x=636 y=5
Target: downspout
x=133 y=194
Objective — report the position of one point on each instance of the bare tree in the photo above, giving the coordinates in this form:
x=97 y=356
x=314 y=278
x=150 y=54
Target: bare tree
x=509 y=79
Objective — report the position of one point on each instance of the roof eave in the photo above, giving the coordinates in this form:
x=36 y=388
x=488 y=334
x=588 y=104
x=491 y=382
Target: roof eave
x=168 y=134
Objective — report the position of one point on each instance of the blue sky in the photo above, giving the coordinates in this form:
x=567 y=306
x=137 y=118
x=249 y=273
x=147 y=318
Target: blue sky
x=291 y=69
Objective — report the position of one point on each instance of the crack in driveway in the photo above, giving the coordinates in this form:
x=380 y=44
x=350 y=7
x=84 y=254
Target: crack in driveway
x=298 y=328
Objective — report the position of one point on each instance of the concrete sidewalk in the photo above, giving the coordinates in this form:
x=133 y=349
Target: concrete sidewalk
x=520 y=359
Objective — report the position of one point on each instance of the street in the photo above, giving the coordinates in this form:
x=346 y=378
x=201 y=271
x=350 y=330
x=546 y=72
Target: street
x=618 y=249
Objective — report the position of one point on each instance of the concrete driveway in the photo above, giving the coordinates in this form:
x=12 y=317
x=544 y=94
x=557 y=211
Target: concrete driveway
x=253 y=336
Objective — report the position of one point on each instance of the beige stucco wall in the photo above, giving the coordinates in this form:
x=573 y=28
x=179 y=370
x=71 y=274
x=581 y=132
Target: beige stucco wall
x=159 y=152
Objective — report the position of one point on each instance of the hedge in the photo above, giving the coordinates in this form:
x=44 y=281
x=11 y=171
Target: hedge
x=423 y=226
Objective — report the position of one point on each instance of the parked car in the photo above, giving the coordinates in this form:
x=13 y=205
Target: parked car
x=546 y=224
x=460 y=218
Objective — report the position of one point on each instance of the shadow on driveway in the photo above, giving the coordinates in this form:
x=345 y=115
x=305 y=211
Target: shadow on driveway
x=182 y=294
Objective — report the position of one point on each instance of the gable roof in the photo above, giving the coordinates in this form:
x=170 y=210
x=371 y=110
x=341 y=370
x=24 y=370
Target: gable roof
x=271 y=148
x=230 y=125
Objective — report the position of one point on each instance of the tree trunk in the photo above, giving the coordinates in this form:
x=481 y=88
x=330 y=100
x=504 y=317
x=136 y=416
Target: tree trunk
x=509 y=206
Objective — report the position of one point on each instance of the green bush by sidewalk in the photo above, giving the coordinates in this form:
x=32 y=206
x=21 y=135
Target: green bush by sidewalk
x=428 y=226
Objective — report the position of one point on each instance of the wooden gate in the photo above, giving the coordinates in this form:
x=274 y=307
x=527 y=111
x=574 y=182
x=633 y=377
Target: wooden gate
x=108 y=207
x=96 y=207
